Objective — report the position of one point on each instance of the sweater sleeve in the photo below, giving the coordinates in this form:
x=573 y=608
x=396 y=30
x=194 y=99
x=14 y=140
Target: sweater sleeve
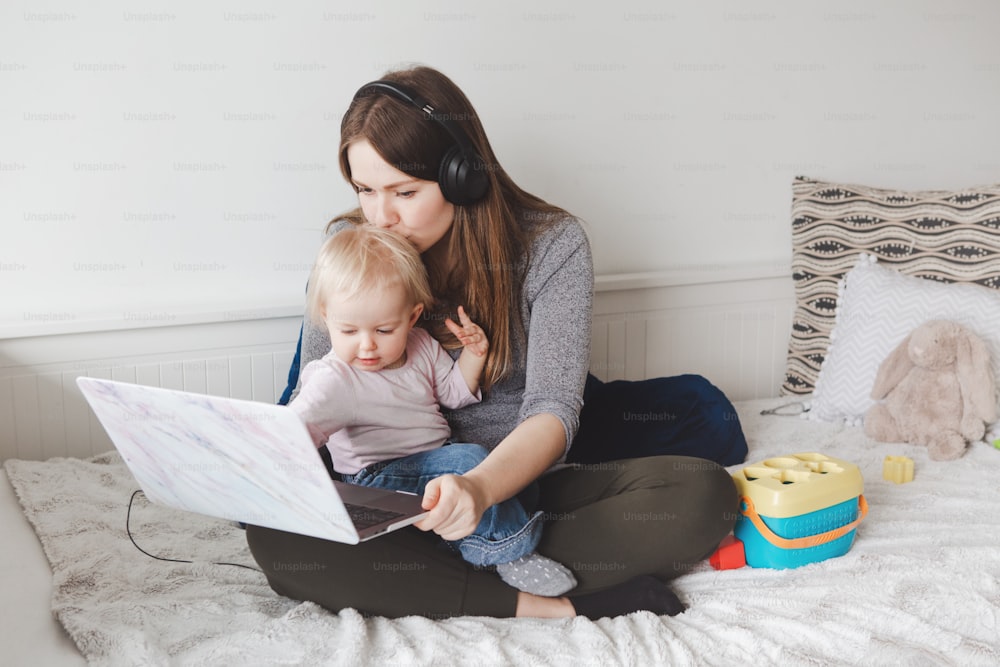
x=325 y=402
x=558 y=297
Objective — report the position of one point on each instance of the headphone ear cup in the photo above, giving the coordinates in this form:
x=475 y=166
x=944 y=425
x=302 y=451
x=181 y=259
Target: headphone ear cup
x=462 y=174
x=463 y=177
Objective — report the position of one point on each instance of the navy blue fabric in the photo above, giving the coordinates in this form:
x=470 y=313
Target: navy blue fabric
x=681 y=415
x=293 y=373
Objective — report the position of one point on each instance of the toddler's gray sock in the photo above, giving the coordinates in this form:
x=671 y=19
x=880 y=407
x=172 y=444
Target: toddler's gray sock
x=538 y=575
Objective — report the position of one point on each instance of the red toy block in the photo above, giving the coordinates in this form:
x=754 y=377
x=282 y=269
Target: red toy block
x=730 y=554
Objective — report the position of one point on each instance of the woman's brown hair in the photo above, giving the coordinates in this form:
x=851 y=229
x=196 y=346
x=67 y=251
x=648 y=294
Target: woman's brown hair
x=481 y=266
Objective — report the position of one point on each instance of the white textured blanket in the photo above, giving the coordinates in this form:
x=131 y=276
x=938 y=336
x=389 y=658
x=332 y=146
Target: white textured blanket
x=920 y=586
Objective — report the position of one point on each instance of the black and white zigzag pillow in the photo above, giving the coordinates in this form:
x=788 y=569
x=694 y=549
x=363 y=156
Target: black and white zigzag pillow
x=948 y=236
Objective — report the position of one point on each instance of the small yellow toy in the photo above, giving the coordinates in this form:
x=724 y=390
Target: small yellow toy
x=898 y=469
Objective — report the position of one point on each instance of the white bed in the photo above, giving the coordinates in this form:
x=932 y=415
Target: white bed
x=921 y=585
x=29 y=634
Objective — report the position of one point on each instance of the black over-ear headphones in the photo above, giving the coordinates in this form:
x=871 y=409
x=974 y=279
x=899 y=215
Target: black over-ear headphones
x=462 y=174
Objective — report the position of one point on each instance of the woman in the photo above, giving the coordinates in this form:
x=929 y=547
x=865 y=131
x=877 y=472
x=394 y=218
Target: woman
x=413 y=148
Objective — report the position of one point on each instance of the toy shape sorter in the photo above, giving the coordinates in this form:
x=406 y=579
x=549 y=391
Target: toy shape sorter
x=798 y=509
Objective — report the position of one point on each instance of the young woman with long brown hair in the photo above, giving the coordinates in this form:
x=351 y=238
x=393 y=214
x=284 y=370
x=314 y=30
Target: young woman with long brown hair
x=415 y=152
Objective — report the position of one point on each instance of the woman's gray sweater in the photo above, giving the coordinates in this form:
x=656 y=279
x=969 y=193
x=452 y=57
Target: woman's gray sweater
x=548 y=373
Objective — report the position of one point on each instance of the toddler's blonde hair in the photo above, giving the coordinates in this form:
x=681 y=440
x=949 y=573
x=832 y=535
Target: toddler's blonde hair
x=362 y=259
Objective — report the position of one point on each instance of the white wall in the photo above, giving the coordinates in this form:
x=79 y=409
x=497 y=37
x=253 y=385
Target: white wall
x=166 y=161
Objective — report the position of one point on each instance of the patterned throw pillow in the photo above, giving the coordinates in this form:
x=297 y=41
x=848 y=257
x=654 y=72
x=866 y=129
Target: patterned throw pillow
x=877 y=308
x=948 y=236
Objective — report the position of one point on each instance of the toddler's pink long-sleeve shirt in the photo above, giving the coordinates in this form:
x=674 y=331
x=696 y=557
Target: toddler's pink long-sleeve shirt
x=368 y=416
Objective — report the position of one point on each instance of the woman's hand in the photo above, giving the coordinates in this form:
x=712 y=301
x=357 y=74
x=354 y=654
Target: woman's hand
x=456 y=506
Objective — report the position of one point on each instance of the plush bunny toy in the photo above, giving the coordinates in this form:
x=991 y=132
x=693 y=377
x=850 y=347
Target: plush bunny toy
x=939 y=391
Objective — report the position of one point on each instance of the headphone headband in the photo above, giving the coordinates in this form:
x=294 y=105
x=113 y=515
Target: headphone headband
x=394 y=90
x=462 y=174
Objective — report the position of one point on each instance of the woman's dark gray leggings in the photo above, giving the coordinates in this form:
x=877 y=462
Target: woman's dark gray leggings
x=607 y=522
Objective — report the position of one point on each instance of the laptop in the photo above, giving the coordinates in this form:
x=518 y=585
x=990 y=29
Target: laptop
x=239 y=460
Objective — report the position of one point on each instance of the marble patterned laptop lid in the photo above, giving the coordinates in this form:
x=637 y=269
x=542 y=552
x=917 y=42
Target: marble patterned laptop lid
x=233 y=459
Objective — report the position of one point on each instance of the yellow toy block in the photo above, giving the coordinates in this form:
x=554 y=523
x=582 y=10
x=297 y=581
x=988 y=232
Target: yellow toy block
x=898 y=469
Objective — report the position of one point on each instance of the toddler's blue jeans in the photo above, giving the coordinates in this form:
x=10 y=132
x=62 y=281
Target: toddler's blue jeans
x=506 y=531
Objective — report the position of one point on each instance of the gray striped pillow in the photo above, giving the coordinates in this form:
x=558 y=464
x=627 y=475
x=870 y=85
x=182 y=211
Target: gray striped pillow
x=948 y=236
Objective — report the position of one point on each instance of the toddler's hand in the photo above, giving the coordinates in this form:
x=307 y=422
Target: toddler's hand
x=469 y=334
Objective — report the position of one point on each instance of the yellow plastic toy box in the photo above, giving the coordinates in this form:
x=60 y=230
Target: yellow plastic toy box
x=798 y=509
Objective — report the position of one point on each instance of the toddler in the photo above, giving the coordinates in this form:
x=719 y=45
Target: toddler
x=374 y=399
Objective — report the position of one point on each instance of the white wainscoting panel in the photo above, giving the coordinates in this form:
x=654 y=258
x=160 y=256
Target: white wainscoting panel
x=733 y=331
x=43 y=414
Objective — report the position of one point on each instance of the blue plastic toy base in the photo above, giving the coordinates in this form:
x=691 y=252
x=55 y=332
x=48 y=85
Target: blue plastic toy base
x=761 y=553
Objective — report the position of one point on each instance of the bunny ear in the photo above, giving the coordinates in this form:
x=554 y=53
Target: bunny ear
x=893 y=369
x=975 y=376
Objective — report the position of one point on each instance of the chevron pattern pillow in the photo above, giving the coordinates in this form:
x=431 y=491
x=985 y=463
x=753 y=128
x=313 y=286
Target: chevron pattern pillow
x=877 y=307
x=944 y=235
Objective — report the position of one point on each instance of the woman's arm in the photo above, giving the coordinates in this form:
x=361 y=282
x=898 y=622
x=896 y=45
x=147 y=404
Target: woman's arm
x=457 y=502
x=558 y=294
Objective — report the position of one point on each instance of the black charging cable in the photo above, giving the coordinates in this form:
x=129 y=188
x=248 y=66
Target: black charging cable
x=128 y=530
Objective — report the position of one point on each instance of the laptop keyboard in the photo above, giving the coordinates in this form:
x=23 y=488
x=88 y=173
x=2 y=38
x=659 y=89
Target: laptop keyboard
x=365 y=517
